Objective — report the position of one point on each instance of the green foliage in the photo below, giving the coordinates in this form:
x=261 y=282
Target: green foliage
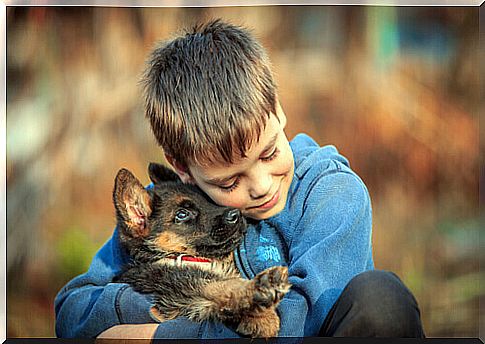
x=415 y=280
x=75 y=251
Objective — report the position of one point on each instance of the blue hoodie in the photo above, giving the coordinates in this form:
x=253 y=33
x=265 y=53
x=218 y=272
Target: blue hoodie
x=323 y=235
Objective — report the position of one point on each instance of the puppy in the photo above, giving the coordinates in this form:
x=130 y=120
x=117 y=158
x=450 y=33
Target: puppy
x=182 y=246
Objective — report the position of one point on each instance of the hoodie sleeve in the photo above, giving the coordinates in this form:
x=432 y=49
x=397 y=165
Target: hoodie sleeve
x=330 y=245
x=90 y=303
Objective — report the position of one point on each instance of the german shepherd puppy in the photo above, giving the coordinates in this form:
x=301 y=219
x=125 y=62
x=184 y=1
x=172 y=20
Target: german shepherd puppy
x=182 y=246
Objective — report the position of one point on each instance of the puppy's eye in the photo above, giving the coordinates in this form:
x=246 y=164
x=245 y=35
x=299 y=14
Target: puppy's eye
x=182 y=215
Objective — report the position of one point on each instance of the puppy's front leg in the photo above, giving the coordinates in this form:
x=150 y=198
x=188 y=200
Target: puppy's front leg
x=250 y=305
x=270 y=286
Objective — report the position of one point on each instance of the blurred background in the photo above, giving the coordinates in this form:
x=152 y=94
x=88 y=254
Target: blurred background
x=394 y=88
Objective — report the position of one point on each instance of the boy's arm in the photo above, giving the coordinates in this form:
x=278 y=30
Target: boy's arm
x=331 y=244
x=90 y=305
x=180 y=328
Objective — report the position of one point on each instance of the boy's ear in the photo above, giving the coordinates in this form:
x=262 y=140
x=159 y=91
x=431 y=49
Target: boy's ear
x=159 y=173
x=181 y=170
x=132 y=203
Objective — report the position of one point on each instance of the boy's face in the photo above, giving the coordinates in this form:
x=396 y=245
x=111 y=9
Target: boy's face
x=258 y=184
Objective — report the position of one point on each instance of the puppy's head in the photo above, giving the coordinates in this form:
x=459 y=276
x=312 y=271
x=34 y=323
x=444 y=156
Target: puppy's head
x=173 y=217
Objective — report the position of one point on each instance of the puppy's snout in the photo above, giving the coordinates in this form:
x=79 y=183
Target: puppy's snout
x=232 y=216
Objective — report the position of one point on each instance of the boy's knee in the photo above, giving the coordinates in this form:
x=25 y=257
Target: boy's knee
x=385 y=304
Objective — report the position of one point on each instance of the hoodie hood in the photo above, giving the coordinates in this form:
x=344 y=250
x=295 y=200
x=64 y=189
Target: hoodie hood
x=307 y=153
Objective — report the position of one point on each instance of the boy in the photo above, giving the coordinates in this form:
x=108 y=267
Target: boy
x=212 y=104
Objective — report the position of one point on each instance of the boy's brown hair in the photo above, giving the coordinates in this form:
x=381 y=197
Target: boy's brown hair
x=209 y=93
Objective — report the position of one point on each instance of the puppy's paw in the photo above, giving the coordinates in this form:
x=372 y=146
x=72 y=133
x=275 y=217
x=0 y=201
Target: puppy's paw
x=160 y=316
x=270 y=286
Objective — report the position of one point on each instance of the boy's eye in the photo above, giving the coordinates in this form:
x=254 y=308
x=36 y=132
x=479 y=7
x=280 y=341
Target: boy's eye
x=231 y=187
x=273 y=155
x=182 y=215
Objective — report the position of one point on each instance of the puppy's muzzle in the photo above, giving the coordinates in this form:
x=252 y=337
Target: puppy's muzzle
x=232 y=216
x=231 y=223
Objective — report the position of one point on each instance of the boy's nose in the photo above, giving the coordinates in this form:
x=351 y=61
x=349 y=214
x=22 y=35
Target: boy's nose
x=260 y=186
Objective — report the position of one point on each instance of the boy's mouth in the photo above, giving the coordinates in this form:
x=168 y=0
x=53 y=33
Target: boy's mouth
x=270 y=203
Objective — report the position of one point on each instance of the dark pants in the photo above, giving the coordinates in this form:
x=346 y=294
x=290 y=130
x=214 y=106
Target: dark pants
x=374 y=304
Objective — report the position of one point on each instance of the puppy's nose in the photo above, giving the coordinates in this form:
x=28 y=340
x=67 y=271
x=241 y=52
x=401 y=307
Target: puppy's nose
x=232 y=216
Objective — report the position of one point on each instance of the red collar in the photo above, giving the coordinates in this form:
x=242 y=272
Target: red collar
x=178 y=259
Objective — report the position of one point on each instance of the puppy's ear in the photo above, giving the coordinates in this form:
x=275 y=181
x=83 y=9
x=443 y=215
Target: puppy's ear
x=159 y=173
x=132 y=203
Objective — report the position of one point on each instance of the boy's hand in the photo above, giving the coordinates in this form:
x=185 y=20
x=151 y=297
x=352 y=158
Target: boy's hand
x=142 y=332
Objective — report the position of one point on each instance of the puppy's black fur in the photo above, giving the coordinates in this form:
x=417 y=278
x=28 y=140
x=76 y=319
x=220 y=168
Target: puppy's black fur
x=173 y=219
